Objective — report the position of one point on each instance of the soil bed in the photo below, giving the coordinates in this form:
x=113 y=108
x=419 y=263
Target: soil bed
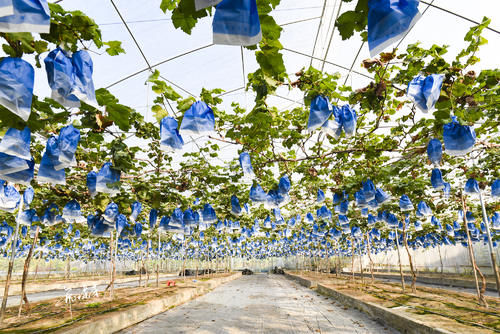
x=54 y=314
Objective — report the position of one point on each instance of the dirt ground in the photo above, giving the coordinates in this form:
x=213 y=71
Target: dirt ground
x=54 y=314
x=454 y=311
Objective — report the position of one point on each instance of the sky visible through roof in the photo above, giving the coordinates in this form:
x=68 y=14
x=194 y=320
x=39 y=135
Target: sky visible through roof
x=191 y=62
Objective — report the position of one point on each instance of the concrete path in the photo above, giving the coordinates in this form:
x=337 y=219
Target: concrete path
x=38 y=296
x=260 y=304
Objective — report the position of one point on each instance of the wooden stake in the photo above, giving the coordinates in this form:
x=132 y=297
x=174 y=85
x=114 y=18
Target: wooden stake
x=11 y=263
x=25 y=275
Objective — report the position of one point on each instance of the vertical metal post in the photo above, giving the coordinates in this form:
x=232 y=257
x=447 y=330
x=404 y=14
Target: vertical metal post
x=11 y=262
x=490 y=244
x=399 y=260
x=158 y=261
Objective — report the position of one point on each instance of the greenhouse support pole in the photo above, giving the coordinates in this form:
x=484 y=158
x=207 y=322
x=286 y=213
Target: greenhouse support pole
x=370 y=256
x=490 y=244
x=158 y=261
x=24 y=298
x=440 y=260
x=399 y=260
x=352 y=259
x=11 y=262
x=361 y=263
x=141 y=265
x=147 y=264
x=412 y=268
x=480 y=297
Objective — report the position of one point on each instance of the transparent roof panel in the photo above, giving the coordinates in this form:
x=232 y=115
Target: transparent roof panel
x=190 y=63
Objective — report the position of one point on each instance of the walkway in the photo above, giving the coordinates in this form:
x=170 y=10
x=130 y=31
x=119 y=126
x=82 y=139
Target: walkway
x=260 y=304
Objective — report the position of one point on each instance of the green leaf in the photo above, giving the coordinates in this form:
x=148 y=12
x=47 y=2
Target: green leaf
x=185 y=16
x=120 y=114
x=159 y=112
x=168 y=5
x=114 y=48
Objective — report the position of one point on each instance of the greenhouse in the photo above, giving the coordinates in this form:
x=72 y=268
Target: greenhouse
x=249 y=166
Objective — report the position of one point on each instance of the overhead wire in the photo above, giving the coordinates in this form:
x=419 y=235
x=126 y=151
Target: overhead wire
x=327 y=62
x=331 y=37
x=457 y=15
x=319 y=29
x=324 y=61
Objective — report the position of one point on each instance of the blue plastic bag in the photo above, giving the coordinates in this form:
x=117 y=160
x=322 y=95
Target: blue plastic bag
x=495 y=221
x=163 y=226
x=67 y=142
x=344 y=207
x=389 y=21
x=136 y=210
x=257 y=194
x=246 y=165
x=373 y=204
x=61 y=77
x=471 y=187
x=17 y=143
x=92 y=183
x=9 y=198
x=170 y=137
x=284 y=185
x=423 y=210
x=235 y=206
x=381 y=196
x=333 y=127
x=208 y=214
x=437 y=179
x=369 y=190
x=47 y=172
x=99 y=229
x=320 y=196
x=320 y=111
x=447 y=189
x=72 y=212
x=138 y=229
x=189 y=219
x=405 y=203
x=470 y=217
x=198 y=119
x=236 y=22
x=360 y=199
x=435 y=151
x=349 y=120
x=336 y=198
x=83 y=88
x=111 y=212
x=10 y=164
x=16 y=86
x=425 y=91
x=418 y=225
x=495 y=189
x=23 y=177
x=51 y=216
x=153 y=217
x=7 y=8
x=324 y=214
x=458 y=139
x=28 y=196
x=28 y=16
x=106 y=179
x=392 y=220
x=120 y=224
x=177 y=218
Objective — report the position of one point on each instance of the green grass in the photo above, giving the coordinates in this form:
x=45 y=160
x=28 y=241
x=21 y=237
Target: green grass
x=93 y=305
